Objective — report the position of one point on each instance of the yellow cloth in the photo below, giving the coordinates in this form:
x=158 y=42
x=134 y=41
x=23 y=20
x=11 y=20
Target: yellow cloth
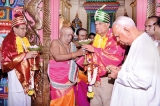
x=82 y=76
x=100 y=42
x=66 y=100
x=19 y=42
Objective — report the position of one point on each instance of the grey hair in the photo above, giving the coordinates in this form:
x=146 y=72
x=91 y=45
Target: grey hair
x=124 y=21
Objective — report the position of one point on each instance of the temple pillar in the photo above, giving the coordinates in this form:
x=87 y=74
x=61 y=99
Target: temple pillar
x=141 y=13
x=54 y=4
x=158 y=7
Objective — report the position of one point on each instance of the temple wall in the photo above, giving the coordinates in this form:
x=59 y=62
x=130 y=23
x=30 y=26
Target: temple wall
x=77 y=7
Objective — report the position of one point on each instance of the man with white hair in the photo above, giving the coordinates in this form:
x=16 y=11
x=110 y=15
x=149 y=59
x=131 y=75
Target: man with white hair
x=137 y=81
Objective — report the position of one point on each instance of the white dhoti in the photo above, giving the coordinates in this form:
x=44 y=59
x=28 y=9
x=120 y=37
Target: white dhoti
x=16 y=95
x=19 y=99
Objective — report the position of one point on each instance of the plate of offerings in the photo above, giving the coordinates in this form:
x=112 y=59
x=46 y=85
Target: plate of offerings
x=34 y=48
x=85 y=42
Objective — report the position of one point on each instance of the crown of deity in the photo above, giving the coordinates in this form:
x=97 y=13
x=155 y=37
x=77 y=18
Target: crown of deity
x=101 y=15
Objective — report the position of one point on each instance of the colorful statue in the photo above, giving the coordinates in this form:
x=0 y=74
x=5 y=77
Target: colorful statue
x=76 y=23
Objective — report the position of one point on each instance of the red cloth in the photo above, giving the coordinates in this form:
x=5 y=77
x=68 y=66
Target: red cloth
x=112 y=54
x=3 y=96
x=12 y=60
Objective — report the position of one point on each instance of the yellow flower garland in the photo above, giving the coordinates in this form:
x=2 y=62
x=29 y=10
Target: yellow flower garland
x=19 y=45
x=100 y=42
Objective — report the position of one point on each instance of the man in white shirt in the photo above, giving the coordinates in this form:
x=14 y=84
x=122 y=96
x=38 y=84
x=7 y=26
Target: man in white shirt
x=157 y=33
x=149 y=27
x=138 y=80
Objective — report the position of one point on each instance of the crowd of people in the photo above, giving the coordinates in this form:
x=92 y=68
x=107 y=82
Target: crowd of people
x=112 y=76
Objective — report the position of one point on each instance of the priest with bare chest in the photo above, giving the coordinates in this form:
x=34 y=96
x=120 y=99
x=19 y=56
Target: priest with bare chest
x=62 y=70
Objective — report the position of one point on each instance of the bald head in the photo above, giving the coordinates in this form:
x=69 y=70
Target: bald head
x=66 y=34
x=65 y=29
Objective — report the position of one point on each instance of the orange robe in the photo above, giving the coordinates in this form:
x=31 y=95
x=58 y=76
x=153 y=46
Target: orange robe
x=62 y=75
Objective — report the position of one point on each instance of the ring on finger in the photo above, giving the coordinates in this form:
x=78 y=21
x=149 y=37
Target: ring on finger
x=109 y=71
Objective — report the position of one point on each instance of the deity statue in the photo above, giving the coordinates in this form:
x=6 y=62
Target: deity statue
x=76 y=23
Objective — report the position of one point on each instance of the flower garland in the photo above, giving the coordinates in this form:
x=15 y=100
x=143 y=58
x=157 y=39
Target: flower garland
x=100 y=42
x=91 y=80
x=20 y=42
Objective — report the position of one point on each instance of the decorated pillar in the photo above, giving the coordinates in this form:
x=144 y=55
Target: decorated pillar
x=54 y=18
x=141 y=13
x=88 y=22
x=151 y=8
x=158 y=7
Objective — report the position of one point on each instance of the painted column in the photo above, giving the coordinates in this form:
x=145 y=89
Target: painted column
x=158 y=8
x=141 y=13
x=54 y=18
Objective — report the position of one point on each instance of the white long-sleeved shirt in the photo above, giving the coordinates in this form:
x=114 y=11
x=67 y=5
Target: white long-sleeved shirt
x=138 y=81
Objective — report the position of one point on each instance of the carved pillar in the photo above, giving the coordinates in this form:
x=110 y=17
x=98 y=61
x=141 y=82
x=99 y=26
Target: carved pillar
x=133 y=4
x=44 y=98
x=50 y=22
x=46 y=45
x=151 y=7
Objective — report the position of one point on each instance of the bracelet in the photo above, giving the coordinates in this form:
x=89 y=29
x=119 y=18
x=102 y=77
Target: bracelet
x=73 y=56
